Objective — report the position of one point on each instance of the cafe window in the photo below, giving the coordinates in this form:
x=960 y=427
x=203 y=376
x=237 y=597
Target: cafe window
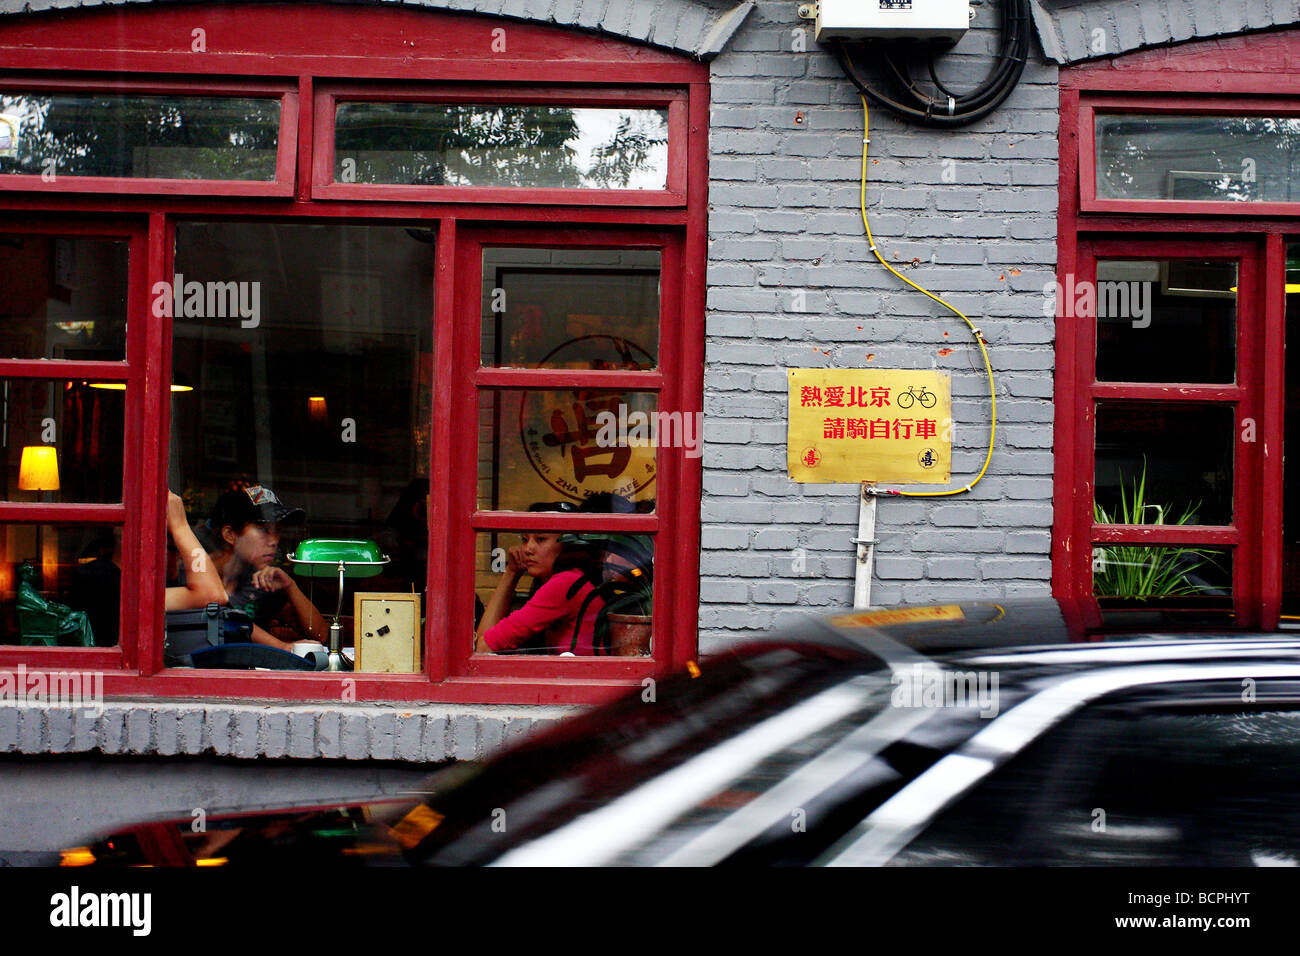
x=347 y=313
x=1173 y=396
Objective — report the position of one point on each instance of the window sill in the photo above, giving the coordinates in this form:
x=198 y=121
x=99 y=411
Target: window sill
x=414 y=734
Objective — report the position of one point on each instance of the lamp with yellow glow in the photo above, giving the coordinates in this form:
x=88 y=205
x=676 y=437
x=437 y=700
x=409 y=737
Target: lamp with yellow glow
x=316 y=407
x=39 y=469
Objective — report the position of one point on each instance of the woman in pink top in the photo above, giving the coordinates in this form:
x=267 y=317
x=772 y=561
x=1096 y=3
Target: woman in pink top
x=551 y=613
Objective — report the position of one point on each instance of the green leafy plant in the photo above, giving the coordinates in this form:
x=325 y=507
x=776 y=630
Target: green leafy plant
x=1139 y=571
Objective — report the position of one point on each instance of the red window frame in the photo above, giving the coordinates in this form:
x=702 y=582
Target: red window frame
x=377 y=48
x=131 y=372
x=1171 y=106
x=1209 y=77
x=286 y=141
x=327 y=98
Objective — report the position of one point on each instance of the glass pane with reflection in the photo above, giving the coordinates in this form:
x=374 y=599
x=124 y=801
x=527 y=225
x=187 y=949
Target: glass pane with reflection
x=134 y=136
x=61 y=440
x=1164 y=463
x=570 y=308
x=1239 y=159
x=62 y=297
x=564 y=593
x=461 y=144
x=576 y=448
x=60 y=585
x=1184 y=574
x=1170 y=320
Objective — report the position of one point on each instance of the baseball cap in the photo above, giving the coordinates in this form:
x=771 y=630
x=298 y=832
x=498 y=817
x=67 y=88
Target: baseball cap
x=253 y=504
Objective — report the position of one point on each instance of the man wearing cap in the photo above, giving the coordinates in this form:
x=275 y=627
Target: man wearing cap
x=247 y=526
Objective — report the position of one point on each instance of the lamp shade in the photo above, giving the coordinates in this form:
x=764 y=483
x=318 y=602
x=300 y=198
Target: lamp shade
x=321 y=557
x=39 y=469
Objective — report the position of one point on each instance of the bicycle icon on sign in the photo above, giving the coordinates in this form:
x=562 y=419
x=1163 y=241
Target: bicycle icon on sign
x=926 y=397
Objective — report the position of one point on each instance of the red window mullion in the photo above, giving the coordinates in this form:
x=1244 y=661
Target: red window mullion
x=155 y=415
x=446 y=539
x=1270 y=437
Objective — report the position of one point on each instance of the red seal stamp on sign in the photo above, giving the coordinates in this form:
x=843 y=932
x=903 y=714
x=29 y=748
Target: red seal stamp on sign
x=811 y=457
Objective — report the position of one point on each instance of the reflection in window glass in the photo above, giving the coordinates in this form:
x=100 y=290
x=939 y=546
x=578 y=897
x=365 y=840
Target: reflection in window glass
x=1172 y=320
x=449 y=144
x=138 y=136
x=60 y=585
x=571 y=308
x=1163 y=464
x=541 y=446
x=1197 y=158
x=1185 y=574
x=62 y=297
x=313 y=381
x=62 y=441
x=551 y=592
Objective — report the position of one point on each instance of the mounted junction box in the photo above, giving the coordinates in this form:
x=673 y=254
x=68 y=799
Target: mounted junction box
x=892 y=19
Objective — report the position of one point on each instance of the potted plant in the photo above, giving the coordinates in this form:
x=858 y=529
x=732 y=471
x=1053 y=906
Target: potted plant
x=1142 y=572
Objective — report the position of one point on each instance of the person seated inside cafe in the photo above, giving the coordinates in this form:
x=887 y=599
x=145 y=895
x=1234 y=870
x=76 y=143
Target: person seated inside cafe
x=246 y=525
x=200 y=583
x=548 y=621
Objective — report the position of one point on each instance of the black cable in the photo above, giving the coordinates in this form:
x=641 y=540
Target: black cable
x=958 y=109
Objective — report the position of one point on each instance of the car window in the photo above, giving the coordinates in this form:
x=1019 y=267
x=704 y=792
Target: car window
x=1135 y=785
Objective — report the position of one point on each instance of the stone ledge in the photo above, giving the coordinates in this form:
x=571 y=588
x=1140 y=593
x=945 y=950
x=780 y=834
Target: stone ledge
x=428 y=733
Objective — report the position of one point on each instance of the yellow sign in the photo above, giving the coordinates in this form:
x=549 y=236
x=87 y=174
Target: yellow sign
x=900 y=615
x=869 y=425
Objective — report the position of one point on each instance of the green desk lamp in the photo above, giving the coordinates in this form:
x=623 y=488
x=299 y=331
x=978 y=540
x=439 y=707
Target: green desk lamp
x=325 y=557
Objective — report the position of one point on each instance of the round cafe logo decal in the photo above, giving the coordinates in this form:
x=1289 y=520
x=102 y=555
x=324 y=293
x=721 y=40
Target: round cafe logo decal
x=559 y=431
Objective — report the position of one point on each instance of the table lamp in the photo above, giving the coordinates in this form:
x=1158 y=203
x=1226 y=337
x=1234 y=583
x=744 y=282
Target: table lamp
x=39 y=469
x=325 y=557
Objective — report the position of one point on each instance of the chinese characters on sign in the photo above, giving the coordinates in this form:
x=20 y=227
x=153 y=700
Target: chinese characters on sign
x=851 y=425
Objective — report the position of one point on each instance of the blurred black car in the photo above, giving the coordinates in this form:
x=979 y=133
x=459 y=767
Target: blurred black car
x=979 y=734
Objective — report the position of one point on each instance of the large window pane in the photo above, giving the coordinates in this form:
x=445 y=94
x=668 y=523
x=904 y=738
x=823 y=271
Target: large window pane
x=573 y=448
x=550 y=592
x=571 y=308
x=62 y=297
x=1163 y=464
x=449 y=144
x=139 y=136
x=61 y=440
x=1207 y=158
x=316 y=384
x=1169 y=320
x=60 y=585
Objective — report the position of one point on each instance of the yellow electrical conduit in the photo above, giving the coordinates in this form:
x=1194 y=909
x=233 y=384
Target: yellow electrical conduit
x=979 y=337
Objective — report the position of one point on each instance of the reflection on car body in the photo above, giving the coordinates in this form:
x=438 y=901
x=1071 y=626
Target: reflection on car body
x=1152 y=748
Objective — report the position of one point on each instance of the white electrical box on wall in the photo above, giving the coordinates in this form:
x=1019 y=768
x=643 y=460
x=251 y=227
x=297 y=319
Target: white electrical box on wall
x=892 y=19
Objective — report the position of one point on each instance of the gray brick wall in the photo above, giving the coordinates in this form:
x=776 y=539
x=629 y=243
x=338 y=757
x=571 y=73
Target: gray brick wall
x=783 y=220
